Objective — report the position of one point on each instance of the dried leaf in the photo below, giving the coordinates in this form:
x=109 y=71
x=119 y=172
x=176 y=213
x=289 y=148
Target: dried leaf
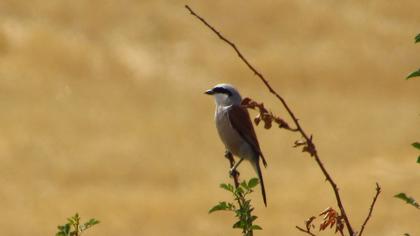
x=308 y=223
x=309 y=148
x=246 y=101
x=340 y=225
x=257 y=119
x=299 y=143
x=281 y=123
x=331 y=218
x=267 y=121
x=249 y=103
x=264 y=115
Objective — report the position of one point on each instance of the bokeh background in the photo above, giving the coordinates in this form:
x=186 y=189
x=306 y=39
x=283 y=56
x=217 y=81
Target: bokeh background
x=102 y=112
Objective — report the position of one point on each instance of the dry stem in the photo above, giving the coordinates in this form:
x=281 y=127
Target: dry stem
x=378 y=191
x=308 y=139
x=305 y=231
x=235 y=173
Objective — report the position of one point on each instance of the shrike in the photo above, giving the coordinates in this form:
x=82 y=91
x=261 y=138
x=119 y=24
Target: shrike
x=235 y=129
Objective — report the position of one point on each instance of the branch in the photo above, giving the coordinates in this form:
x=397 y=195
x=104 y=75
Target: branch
x=308 y=139
x=305 y=231
x=378 y=191
x=235 y=173
x=241 y=198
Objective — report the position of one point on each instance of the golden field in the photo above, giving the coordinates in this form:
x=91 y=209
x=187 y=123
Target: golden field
x=102 y=112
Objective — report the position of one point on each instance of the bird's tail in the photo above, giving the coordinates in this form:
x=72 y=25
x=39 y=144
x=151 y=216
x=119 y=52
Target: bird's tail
x=257 y=168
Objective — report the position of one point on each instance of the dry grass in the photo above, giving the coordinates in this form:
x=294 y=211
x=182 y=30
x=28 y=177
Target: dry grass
x=102 y=112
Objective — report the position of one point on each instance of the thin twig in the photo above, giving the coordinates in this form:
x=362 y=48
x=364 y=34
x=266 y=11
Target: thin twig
x=305 y=231
x=378 y=191
x=235 y=173
x=311 y=146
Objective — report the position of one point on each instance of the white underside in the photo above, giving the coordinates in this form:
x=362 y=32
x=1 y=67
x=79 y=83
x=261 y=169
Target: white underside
x=230 y=137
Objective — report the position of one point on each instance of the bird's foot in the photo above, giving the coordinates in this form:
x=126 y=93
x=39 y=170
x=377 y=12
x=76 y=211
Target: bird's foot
x=233 y=172
x=228 y=155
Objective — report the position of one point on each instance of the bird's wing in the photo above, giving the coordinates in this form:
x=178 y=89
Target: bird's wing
x=241 y=122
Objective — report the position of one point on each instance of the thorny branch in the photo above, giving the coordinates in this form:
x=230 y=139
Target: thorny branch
x=265 y=116
x=310 y=146
x=305 y=230
x=308 y=226
x=378 y=191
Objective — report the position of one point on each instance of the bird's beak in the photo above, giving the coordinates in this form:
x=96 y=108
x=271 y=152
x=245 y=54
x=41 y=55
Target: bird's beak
x=209 y=92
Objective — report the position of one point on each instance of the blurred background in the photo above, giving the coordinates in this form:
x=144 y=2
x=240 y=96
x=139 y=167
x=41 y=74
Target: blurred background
x=103 y=112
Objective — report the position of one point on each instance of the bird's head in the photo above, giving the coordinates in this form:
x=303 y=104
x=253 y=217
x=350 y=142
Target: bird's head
x=225 y=95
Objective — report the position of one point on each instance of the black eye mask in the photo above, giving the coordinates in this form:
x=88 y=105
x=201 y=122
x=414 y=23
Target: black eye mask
x=222 y=90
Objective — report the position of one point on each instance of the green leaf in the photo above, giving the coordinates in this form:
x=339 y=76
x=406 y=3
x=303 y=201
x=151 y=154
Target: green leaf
x=256 y=227
x=74 y=220
x=408 y=200
x=63 y=230
x=227 y=187
x=413 y=74
x=239 y=190
x=244 y=185
x=222 y=206
x=416 y=145
x=92 y=222
x=231 y=207
x=417 y=39
x=253 y=182
x=89 y=224
x=240 y=224
x=418 y=159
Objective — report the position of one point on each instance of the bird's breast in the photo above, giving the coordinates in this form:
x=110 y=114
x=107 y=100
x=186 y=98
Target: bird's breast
x=229 y=136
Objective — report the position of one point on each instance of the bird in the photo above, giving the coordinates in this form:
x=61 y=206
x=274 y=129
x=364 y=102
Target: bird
x=235 y=129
